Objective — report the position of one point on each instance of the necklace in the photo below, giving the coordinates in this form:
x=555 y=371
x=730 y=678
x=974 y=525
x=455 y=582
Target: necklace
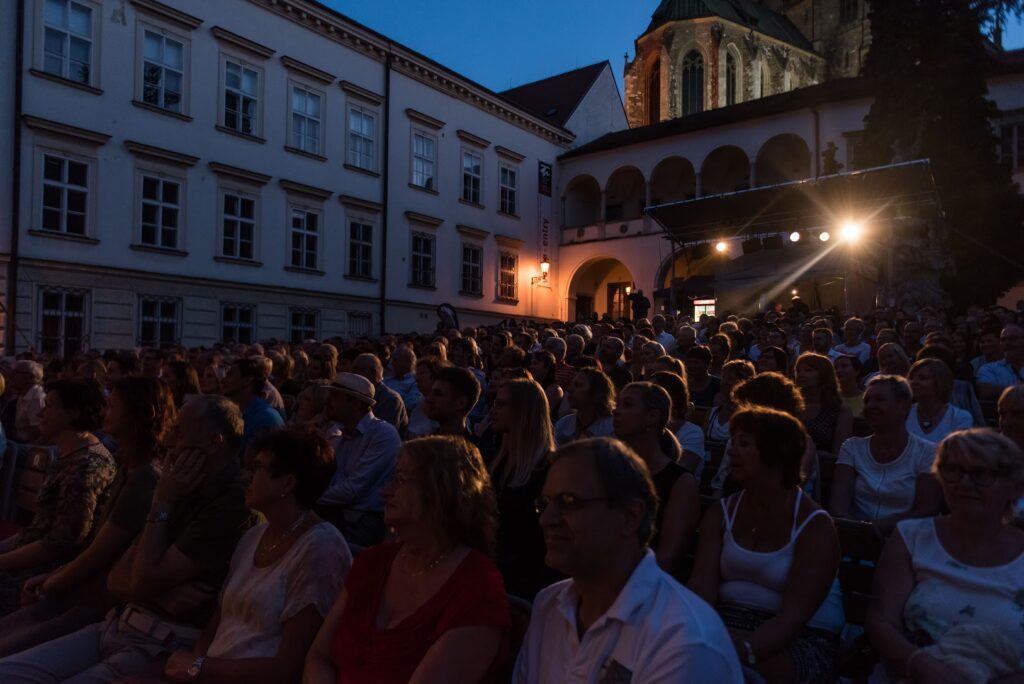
x=427 y=569
x=926 y=421
x=287 y=534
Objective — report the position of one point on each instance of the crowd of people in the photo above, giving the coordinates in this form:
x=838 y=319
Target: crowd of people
x=611 y=501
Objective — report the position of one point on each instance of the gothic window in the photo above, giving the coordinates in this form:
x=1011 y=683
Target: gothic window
x=654 y=94
x=730 y=79
x=693 y=83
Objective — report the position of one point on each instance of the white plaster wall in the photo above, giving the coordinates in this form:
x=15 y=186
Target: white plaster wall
x=600 y=111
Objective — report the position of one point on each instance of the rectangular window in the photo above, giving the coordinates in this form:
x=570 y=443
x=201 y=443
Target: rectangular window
x=241 y=98
x=472 y=269
x=1011 y=145
x=423 y=158
x=238 y=323
x=360 y=249
x=508 y=189
x=62 y=322
x=65 y=195
x=422 y=260
x=508 y=276
x=163 y=71
x=158 y=322
x=303 y=325
x=472 y=175
x=161 y=209
x=359 y=324
x=361 y=134
x=305 y=238
x=238 y=230
x=305 y=120
x=847 y=10
x=67 y=40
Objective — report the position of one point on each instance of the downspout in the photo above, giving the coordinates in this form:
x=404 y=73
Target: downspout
x=384 y=194
x=12 y=264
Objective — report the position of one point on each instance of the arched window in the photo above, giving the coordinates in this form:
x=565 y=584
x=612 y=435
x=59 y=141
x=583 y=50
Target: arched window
x=654 y=94
x=730 y=79
x=693 y=83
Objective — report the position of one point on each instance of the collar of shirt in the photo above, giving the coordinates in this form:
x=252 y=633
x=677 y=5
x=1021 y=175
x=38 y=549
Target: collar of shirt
x=636 y=594
x=362 y=426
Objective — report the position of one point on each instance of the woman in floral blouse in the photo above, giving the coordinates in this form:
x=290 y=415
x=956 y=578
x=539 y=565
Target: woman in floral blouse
x=72 y=494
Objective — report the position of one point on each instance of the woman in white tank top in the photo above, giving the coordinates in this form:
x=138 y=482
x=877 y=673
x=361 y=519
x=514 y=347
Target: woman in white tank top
x=962 y=572
x=768 y=557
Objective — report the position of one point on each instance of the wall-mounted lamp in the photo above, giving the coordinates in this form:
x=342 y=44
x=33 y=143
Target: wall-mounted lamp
x=629 y=290
x=545 y=266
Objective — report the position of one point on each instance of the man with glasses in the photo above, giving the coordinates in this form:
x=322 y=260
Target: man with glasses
x=619 y=618
x=1008 y=371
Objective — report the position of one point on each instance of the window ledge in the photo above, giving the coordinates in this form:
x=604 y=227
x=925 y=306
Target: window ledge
x=422 y=287
x=359 y=169
x=160 y=110
x=240 y=134
x=508 y=215
x=476 y=295
x=475 y=205
x=85 y=239
x=504 y=300
x=422 y=188
x=304 y=153
x=362 y=279
x=238 y=261
x=158 y=250
x=66 y=81
x=307 y=271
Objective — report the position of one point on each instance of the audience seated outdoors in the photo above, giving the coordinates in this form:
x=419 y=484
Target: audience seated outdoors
x=716 y=424
x=430 y=605
x=827 y=420
x=689 y=435
x=591 y=397
x=619 y=617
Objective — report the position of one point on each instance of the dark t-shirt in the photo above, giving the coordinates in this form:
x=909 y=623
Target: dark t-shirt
x=706 y=396
x=131 y=494
x=521 y=547
x=664 y=480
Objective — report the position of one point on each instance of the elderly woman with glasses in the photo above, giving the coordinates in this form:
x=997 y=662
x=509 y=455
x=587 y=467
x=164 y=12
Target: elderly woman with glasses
x=954 y=583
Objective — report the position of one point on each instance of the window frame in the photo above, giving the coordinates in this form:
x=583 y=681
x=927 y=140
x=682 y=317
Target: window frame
x=162 y=175
x=503 y=189
x=476 y=277
x=365 y=246
x=61 y=339
x=417 y=256
x=413 y=157
x=303 y=311
x=244 y=63
x=501 y=291
x=373 y=114
x=238 y=306
x=149 y=25
x=698 y=66
x=95 y=41
x=42 y=152
x=243 y=194
x=296 y=205
x=361 y=316
x=321 y=145
x=463 y=174
x=159 y=320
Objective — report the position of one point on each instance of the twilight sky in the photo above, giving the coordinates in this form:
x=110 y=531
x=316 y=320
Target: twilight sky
x=505 y=43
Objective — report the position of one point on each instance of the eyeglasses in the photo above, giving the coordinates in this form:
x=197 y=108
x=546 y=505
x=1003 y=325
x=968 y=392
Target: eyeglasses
x=983 y=477
x=566 y=502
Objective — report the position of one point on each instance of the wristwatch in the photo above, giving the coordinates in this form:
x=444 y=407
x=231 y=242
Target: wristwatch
x=158 y=517
x=196 y=668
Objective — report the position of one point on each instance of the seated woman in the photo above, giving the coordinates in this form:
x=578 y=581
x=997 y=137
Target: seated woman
x=139 y=416
x=716 y=425
x=520 y=417
x=892 y=360
x=285 y=574
x=591 y=398
x=212 y=380
x=768 y=556
x=641 y=419
x=690 y=436
x=827 y=420
x=703 y=386
x=932 y=416
x=720 y=347
x=429 y=607
x=958 y=576
x=886 y=477
x=848 y=372
x=182 y=379
x=649 y=355
x=542 y=368
x=73 y=494
x=773 y=360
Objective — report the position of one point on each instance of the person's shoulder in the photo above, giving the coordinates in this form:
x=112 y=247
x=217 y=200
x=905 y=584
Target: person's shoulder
x=921 y=445
x=854 y=446
x=548 y=597
x=915 y=530
x=324 y=541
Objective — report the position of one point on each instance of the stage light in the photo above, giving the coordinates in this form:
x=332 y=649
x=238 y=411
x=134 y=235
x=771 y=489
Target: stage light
x=824 y=236
x=851 y=231
x=794 y=236
x=721 y=246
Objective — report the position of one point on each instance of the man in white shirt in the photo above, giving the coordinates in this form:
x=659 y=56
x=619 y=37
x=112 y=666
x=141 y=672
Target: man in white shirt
x=853 y=344
x=1008 y=371
x=619 y=618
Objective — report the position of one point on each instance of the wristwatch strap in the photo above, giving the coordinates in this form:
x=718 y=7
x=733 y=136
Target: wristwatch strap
x=196 y=668
x=158 y=517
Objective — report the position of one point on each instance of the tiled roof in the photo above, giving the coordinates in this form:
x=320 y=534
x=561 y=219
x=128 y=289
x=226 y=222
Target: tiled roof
x=749 y=13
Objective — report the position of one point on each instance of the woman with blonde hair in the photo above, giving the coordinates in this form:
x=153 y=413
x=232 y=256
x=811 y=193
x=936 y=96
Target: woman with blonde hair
x=932 y=416
x=522 y=419
x=892 y=360
x=429 y=606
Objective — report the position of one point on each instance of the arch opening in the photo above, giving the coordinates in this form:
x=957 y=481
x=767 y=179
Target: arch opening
x=581 y=204
x=599 y=288
x=673 y=180
x=625 y=195
x=782 y=159
x=726 y=169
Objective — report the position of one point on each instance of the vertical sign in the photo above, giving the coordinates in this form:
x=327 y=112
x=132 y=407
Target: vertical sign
x=544 y=218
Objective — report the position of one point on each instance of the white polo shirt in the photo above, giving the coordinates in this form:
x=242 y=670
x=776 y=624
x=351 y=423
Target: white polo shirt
x=657 y=631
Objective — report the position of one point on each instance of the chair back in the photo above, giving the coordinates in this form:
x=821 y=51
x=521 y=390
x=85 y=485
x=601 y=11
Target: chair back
x=861 y=545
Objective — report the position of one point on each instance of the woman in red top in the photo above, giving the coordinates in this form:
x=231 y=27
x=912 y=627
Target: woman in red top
x=431 y=606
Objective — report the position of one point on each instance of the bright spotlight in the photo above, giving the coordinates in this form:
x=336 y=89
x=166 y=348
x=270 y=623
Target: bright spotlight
x=721 y=246
x=794 y=236
x=851 y=231
x=824 y=236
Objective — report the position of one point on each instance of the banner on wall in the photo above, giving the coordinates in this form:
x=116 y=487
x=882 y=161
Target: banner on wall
x=544 y=213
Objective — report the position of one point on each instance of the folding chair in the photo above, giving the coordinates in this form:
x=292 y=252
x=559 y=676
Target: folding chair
x=861 y=545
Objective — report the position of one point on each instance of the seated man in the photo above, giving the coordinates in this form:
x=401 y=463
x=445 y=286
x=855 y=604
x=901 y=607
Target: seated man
x=366 y=456
x=403 y=379
x=388 y=403
x=167 y=582
x=620 y=618
x=243 y=384
x=993 y=377
x=452 y=396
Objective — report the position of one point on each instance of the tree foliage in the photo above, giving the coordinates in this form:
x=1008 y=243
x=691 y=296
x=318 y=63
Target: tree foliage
x=930 y=62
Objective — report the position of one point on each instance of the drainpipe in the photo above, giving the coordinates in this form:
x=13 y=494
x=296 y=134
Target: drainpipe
x=384 y=195
x=12 y=264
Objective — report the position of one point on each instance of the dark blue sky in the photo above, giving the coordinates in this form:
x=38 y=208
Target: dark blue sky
x=504 y=43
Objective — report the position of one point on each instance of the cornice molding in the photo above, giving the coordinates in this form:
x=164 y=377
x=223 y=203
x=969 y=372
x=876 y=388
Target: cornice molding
x=242 y=42
x=475 y=140
x=65 y=130
x=424 y=119
x=423 y=219
x=511 y=155
x=359 y=203
x=508 y=241
x=359 y=91
x=167 y=13
x=160 y=154
x=471 y=232
x=306 y=70
x=303 y=189
x=236 y=173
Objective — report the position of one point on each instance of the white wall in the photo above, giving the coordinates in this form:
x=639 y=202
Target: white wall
x=600 y=111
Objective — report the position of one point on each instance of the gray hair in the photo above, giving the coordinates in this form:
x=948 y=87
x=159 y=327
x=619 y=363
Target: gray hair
x=897 y=384
x=995 y=450
x=221 y=416
x=557 y=347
